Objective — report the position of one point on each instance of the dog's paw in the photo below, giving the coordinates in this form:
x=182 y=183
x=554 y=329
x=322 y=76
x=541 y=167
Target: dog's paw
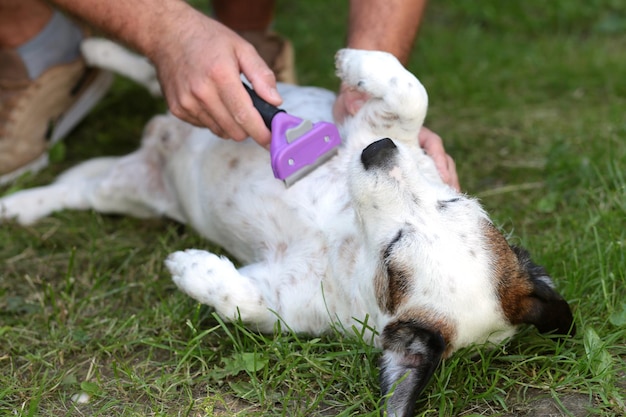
x=372 y=72
x=399 y=102
x=28 y=206
x=196 y=272
x=213 y=280
x=9 y=211
x=105 y=54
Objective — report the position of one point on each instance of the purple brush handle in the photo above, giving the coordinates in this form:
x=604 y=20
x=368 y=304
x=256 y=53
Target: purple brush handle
x=289 y=158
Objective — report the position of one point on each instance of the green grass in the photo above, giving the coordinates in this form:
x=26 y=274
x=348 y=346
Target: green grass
x=530 y=98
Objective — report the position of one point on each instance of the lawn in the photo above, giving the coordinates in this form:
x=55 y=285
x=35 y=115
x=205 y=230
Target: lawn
x=530 y=98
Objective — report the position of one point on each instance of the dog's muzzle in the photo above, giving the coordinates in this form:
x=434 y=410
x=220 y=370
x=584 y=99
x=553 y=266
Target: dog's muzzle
x=378 y=154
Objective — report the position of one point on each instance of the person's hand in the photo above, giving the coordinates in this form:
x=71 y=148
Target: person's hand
x=199 y=72
x=349 y=101
x=433 y=145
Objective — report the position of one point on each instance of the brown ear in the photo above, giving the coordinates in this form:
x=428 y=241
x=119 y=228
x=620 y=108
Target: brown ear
x=546 y=309
x=411 y=355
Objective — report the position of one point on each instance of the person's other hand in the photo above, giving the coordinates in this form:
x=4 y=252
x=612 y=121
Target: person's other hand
x=433 y=145
x=349 y=101
x=199 y=71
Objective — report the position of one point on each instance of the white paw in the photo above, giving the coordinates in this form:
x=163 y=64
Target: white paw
x=199 y=274
x=369 y=71
x=8 y=212
x=401 y=100
x=26 y=207
x=214 y=281
x=105 y=54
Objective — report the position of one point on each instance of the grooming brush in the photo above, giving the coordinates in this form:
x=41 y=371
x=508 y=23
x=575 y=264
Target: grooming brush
x=298 y=146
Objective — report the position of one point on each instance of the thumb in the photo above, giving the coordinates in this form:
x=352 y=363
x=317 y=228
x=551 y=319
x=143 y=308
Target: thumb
x=261 y=77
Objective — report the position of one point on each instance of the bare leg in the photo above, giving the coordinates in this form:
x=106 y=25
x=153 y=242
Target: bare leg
x=21 y=20
x=245 y=15
x=252 y=19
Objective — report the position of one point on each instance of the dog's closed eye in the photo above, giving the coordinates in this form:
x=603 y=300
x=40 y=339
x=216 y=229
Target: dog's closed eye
x=444 y=204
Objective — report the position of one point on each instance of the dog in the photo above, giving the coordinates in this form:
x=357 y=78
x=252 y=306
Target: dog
x=372 y=240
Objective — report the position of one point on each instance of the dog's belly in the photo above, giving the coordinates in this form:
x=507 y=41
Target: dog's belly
x=228 y=194
x=306 y=234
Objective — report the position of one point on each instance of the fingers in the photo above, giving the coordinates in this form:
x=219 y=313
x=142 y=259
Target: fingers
x=262 y=79
x=453 y=177
x=433 y=145
x=348 y=102
x=263 y=82
x=221 y=103
x=247 y=120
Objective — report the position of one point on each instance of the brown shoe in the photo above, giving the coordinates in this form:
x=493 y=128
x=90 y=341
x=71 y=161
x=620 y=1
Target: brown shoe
x=277 y=53
x=35 y=114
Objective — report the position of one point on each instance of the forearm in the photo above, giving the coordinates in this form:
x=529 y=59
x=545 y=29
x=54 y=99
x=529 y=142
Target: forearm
x=386 y=25
x=140 y=24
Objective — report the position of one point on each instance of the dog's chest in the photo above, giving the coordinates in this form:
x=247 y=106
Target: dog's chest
x=231 y=197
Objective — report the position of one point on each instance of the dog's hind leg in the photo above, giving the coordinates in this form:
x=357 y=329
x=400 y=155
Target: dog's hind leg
x=108 y=55
x=398 y=101
x=132 y=185
x=28 y=206
x=101 y=184
x=214 y=281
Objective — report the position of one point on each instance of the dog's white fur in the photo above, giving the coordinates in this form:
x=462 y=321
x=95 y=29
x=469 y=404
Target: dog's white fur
x=371 y=237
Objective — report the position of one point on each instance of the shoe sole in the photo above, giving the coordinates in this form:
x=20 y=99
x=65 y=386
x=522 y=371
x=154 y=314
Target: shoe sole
x=86 y=101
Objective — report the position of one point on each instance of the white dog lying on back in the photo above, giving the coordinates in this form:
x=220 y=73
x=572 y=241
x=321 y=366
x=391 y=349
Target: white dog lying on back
x=372 y=236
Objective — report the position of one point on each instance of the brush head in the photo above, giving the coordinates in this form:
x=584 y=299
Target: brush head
x=299 y=146
x=298 y=175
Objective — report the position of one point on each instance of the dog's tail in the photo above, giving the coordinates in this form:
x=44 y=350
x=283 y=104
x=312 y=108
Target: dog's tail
x=108 y=55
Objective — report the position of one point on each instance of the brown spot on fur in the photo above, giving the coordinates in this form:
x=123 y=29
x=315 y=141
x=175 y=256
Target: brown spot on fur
x=380 y=289
x=393 y=280
x=399 y=287
x=388 y=116
x=281 y=249
x=433 y=321
x=348 y=249
x=233 y=163
x=512 y=283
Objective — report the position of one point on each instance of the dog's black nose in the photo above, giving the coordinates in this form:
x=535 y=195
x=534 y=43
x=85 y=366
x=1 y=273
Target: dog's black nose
x=377 y=154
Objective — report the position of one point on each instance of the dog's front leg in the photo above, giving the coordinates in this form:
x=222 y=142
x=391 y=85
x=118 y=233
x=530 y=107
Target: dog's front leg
x=213 y=280
x=398 y=101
